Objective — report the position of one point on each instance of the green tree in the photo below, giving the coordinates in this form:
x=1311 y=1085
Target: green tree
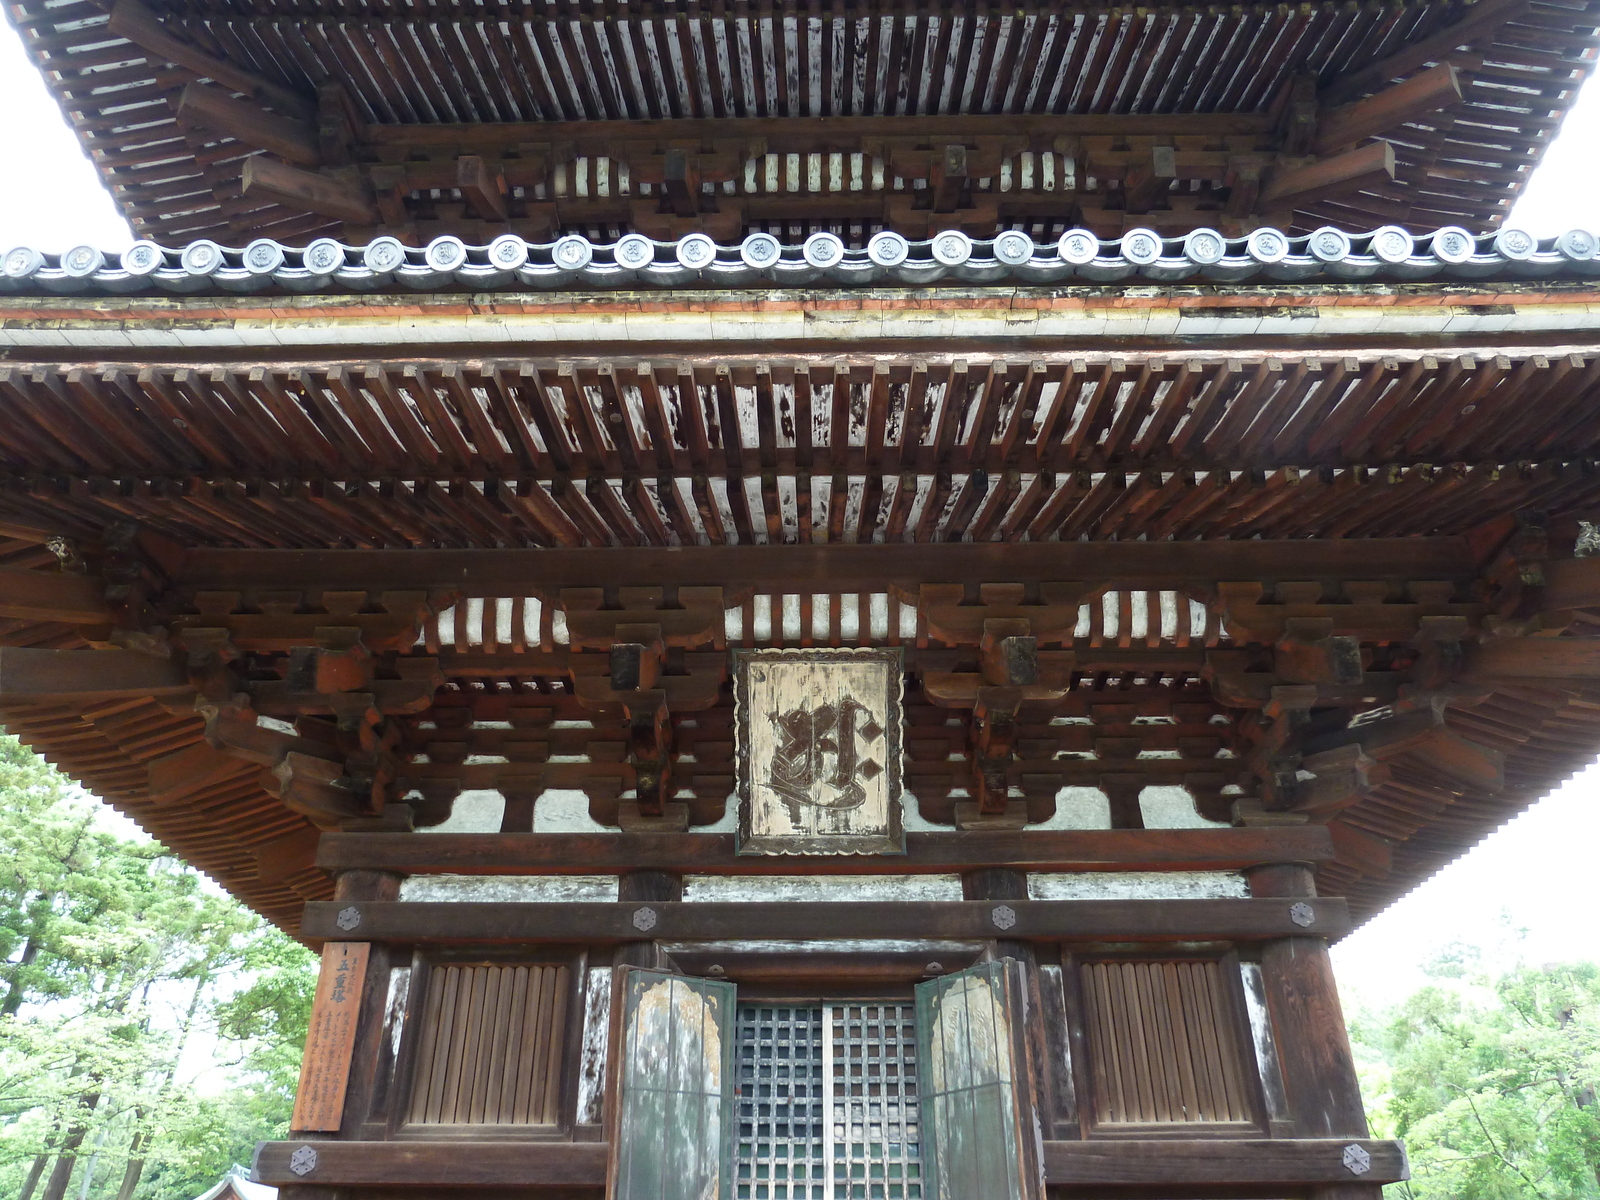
x=147 y=1021
x=1492 y=1082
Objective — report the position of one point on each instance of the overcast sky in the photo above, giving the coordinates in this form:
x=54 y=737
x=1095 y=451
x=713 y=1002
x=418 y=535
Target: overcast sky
x=1537 y=875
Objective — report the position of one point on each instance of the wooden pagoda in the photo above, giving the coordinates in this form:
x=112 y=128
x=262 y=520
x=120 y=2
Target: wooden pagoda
x=810 y=602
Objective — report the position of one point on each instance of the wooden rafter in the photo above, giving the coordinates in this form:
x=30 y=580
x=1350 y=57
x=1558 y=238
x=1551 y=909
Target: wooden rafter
x=176 y=185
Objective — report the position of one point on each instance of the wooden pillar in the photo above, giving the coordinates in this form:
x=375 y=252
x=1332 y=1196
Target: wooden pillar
x=367 y=1087
x=1044 y=1043
x=994 y=883
x=1122 y=794
x=1319 y=1074
x=367 y=1077
x=660 y=887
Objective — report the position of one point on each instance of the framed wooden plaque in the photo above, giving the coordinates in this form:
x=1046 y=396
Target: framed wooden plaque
x=819 y=751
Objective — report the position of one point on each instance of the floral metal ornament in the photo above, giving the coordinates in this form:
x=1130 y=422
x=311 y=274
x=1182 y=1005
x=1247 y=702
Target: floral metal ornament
x=1356 y=1159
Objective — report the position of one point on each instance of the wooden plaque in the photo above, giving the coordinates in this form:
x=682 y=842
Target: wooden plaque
x=819 y=751
x=325 y=1069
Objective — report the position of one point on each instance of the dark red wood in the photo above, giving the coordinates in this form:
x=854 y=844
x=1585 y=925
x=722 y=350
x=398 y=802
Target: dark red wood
x=1026 y=920
x=926 y=853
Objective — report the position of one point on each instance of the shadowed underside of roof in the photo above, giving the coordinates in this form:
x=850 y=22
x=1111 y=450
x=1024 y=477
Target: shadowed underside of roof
x=441 y=454
x=532 y=67
x=108 y=748
x=613 y=452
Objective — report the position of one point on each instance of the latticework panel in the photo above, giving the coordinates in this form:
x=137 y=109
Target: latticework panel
x=781 y=1148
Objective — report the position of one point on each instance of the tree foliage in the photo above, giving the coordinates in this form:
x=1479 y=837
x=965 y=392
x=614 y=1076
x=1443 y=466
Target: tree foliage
x=149 y=1025
x=1491 y=1081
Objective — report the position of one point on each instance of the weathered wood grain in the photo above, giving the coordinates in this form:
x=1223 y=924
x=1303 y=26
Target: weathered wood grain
x=325 y=1067
x=526 y=1164
x=1104 y=1162
x=1319 y=1073
x=1115 y=1161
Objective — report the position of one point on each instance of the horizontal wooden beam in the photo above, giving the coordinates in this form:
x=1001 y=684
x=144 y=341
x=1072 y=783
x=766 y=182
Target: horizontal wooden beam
x=265 y=179
x=837 y=567
x=1368 y=166
x=1549 y=659
x=247 y=122
x=814 y=135
x=1029 y=920
x=1214 y=1162
x=1571 y=583
x=28 y=673
x=554 y=661
x=52 y=596
x=1176 y=1164
x=1428 y=92
x=926 y=853
x=452 y=1164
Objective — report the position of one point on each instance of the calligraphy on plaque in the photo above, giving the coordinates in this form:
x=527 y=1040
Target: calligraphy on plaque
x=819 y=751
x=325 y=1069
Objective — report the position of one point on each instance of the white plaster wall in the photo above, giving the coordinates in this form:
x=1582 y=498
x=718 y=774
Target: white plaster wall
x=729 y=821
x=1172 y=808
x=708 y=889
x=1079 y=808
x=1138 y=885
x=508 y=889
x=566 y=810
x=474 y=812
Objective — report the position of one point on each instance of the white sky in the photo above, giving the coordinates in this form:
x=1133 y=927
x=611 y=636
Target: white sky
x=1537 y=874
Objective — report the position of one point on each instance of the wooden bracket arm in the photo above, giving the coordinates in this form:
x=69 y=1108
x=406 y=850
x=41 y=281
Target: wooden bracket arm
x=275 y=182
x=214 y=109
x=1424 y=93
x=1368 y=166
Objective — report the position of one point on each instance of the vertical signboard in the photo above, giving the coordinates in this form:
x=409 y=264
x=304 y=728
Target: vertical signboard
x=325 y=1069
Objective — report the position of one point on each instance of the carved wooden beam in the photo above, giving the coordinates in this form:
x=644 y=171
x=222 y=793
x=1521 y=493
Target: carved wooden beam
x=1571 y=583
x=1551 y=659
x=1369 y=610
x=815 y=135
